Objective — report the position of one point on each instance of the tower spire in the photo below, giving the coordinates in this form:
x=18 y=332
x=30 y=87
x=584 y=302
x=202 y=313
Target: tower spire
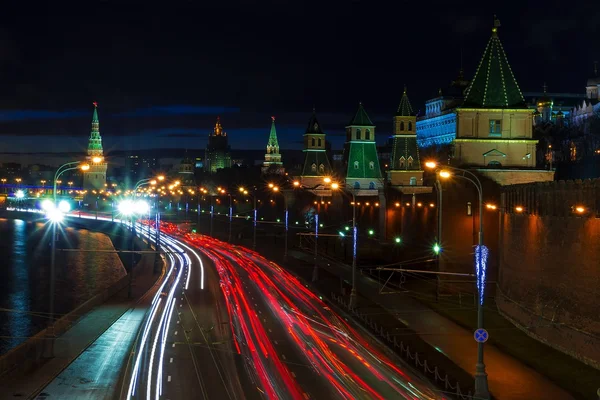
x=273 y=157
x=95 y=141
x=545 y=87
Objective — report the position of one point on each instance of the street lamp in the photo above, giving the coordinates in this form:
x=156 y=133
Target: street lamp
x=285 y=203
x=481 y=381
x=131 y=208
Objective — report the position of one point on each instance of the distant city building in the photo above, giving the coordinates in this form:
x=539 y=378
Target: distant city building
x=140 y=167
x=363 y=172
x=10 y=170
x=316 y=163
x=95 y=176
x=590 y=106
x=273 y=163
x=405 y=172
x=217 y=154
x=552 y=107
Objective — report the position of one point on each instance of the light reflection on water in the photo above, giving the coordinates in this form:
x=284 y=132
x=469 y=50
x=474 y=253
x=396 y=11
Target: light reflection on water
x=25 y=274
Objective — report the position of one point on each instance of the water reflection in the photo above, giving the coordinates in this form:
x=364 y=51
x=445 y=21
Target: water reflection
x=19 y=325
x=25 y=275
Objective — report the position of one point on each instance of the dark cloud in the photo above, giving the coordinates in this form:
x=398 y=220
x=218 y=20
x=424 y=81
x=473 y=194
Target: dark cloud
x=28 y=115
x=158 y=111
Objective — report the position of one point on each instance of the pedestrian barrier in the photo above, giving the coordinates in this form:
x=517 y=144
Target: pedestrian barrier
x=405 y=352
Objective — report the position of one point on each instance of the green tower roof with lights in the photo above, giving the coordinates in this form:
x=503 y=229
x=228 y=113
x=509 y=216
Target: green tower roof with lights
x=95 y=141
x=494 y=85
x=404 y=108
x=273 y=142
x=361 y=118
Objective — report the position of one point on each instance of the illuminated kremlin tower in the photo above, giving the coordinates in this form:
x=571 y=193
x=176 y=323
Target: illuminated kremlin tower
x=405 y=173
x=363 y=174
x=273 y=163
x=95 y=177
x=316 y=163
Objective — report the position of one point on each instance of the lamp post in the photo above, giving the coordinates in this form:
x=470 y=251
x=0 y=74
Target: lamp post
x=276 y=189
x=245 y=191
x=131 y=209
x=55 y=215
x=481 y=381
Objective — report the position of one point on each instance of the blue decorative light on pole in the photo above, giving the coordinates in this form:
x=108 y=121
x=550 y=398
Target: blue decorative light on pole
x=316 y=267
x=481 y=256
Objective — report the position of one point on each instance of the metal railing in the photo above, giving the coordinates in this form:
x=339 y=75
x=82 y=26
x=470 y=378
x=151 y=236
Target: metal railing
x=405 y=352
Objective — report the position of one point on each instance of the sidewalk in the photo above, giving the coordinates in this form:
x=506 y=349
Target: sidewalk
x=507 y=377
x=81 y=336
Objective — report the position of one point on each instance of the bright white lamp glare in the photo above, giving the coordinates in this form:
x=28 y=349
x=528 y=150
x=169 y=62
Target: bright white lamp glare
x=141 y=207
x=55 y=215
x=126 y=207
x=47 y=205
x=64 y=206
x=20 y=194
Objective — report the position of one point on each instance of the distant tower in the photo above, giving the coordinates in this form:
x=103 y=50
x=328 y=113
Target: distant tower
x=363 y=171
x=217 y=150
x=186 y=173
x=544 y=107
x=273 y=162
x=95 y=177
x=405 y=171
x=316 y=163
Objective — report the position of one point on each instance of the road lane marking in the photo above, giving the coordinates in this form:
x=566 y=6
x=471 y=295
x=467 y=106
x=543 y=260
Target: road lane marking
x=293 y=374
x=275 y=341
x=270 y=331
x=306 y=396
x=171 y=360
x=173 y=345
x=169 y=378
x=176 y=332
x=283 y=356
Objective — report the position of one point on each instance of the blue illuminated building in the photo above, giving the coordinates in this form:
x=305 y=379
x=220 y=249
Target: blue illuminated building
x=438 y=126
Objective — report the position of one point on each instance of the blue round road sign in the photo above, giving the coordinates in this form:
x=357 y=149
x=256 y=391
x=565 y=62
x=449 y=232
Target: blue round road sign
x=481 y=335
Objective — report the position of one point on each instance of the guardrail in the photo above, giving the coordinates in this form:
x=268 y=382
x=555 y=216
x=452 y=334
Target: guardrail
x=404 y=350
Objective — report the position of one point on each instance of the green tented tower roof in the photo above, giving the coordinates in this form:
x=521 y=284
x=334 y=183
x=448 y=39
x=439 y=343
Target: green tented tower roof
x=95 y=141
x=273 y=142
x=361 y=118
x=494 y=85
x=405 y=109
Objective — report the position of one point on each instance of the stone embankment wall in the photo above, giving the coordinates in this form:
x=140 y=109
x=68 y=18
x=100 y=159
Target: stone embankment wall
x=549 y=272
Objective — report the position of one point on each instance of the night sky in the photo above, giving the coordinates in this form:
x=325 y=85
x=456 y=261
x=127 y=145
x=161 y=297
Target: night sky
x=161 y=73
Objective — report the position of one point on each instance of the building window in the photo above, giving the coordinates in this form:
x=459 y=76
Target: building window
x=494 y=164
x=372 y=185
x=313 y=167
x=367 y=135
x=313 y=141
x=410 y=162
x=401 y=125
x=358 y=134
x=371 y=165
x=355 y=164
x=495 y=127
x=322 y=168
x=469 y=209
x=413 y=181
x=402 y=159
x=319 y=142
x=410 y=126
x=356 y=185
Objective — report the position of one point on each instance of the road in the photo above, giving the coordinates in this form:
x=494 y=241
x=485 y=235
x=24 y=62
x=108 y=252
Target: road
x=292 y=345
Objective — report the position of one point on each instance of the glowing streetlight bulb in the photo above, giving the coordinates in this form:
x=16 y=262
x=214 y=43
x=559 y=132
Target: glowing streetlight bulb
x=431 y=164
x=580 y=209
x=85 y=167
x=437 y=248
x=97 y=160
x=64 y=206
x=327 y=179
x=47 y=205
x=271 y=185
x=275 y=188
x=296 y=183
x=20 y=194
x=397 y=240
x=335 y=185
x=445 y=174
x=55 y=215
x=519 y=209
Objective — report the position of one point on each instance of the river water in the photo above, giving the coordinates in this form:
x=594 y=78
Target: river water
x=25 y=275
